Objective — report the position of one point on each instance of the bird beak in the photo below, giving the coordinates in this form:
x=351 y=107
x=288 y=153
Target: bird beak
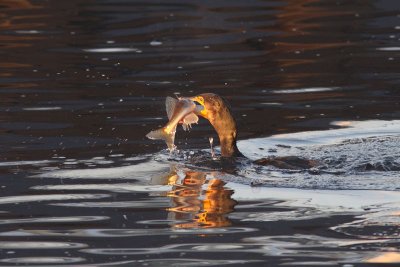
x=202 y=109
x=198 y=99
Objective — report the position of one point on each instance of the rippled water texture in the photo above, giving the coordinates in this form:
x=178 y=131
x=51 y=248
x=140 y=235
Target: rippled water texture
x=82 y=82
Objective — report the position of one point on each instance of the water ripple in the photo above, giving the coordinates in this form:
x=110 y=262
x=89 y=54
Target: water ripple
x=305 y=90
x=81 y=81
x=388 y=48
x=41 y=108
x=43 y=260
x=136 y=171
x=111 y=50
x=39 y=245
x=55 y=220
x=137 y=204
x=126 y=232
x=120 y=188
x=179 y=262
x=36 y=198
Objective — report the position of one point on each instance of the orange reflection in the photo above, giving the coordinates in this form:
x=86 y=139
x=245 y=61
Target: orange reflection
x=15 y=17
x=17 y=4
x=196 y=198
x=386 y=257
x=16 y=25
x=298 y=22
x=298 y=16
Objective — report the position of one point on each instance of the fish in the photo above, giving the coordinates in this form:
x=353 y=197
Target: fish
x=181 y=110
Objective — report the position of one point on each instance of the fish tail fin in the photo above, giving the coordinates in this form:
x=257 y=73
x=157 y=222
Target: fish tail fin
x=161 y=134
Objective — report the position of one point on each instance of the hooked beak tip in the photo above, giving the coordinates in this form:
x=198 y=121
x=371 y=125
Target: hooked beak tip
x=193 y=98
x=196 y=99
x=201 y=109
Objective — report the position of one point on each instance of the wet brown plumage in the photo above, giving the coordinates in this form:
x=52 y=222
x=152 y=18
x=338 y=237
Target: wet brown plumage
x=218 y=113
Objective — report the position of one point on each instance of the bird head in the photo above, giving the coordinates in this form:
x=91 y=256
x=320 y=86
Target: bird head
x=211 y=104
x=217 y=111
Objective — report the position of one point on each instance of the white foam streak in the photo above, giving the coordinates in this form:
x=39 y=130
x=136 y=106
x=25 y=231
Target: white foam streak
x=355 y=129
x=305 y=90
x=41 y=108
x=388 y=49
x=107 y=187
x=333 y=200
x=138 y=171
x=34 y=198
x=111 y=50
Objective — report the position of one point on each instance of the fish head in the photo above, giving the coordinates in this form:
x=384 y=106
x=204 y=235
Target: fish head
x=184 y=107
x=177 y=107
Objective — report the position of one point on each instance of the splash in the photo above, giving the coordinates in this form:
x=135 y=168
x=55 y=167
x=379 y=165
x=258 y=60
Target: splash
x=363 y=155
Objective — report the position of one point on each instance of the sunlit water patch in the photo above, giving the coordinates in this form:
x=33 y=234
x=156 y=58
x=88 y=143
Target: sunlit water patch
x=362 y=155
x=197 y=200
x=42 y=261
x=305 y=90
x=112 y=50
x=363 y=192
x=108 y=233
x=355 y=155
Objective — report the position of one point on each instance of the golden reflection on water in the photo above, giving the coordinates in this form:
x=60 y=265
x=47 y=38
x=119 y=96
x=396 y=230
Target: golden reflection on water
x=299 y=17
x=16 y=26
x=385 y=257
x=198 y=199
x=14 y=16
x=296 y=23
x=17 y=4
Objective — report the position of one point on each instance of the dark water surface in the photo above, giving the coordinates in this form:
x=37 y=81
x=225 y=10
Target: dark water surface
x=82 y=82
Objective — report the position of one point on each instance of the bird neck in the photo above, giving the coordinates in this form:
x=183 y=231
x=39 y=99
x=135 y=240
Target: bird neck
x=228 y=146
x=225 y=126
